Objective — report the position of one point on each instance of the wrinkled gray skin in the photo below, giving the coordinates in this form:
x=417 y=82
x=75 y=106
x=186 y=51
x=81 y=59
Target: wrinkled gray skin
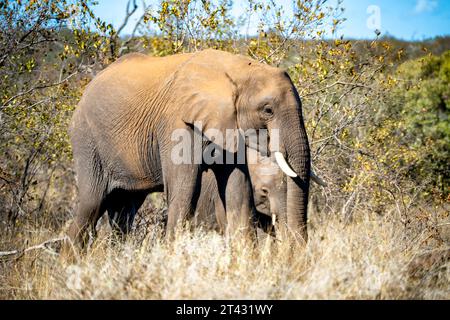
x=121 y=136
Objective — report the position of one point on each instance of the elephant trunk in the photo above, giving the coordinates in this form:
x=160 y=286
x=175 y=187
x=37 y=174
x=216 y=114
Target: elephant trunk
x=297 y=157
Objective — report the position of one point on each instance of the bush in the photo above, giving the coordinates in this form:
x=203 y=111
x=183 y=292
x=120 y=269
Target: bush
x=421 y=104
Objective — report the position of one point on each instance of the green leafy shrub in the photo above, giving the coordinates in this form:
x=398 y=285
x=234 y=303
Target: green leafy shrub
x=421 y=102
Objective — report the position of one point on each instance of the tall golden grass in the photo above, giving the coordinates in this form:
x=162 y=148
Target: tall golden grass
x=370 y=257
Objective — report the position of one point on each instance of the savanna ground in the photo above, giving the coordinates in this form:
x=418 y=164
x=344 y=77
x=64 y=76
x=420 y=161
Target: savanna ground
x=377 y=115
x=370 y=258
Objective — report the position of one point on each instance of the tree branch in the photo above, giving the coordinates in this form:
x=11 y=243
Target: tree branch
x=127 y=16
x=20 y=94
x=41 y=246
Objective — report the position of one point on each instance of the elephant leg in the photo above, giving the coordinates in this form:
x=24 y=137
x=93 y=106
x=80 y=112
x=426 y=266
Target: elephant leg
x=122 y=207
x=236 y=193
x=210 y=211
x=221 y=216
x=91 y=192
x=182 y=192
x=90 y=208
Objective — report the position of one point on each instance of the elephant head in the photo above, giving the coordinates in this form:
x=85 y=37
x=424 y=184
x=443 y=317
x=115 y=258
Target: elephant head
x=269 y=188
x=224 y=91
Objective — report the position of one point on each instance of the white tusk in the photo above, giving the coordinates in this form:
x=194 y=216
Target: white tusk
x=284 y=166
x=317 y=180
x=274 y=219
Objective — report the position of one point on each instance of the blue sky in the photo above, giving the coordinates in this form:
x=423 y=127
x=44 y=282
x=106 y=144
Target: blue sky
x=404 y=19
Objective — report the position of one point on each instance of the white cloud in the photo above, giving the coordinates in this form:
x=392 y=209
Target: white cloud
x=425 y=6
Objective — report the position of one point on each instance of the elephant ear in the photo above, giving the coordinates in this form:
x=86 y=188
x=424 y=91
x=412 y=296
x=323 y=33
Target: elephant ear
x=208 y=100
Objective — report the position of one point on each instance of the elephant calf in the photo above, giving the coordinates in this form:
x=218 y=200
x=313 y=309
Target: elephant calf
x=269 y=196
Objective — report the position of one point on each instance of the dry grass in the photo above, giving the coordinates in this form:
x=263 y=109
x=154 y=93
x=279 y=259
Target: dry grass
x=372 y=257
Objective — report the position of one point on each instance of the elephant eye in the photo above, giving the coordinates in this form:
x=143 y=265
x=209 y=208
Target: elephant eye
x=267 y=110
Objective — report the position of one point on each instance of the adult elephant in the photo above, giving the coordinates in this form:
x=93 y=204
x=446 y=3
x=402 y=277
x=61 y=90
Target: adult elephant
x=121 y=135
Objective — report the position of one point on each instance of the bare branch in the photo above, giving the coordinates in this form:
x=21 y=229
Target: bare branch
x=353 y=85
x=20 y=94
x=127 y=16
x=41 y=246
